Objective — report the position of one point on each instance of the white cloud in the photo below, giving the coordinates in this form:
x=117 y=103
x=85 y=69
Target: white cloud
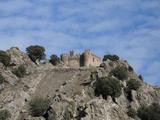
x=128 y=28
x=11 y=6
x=152 y=73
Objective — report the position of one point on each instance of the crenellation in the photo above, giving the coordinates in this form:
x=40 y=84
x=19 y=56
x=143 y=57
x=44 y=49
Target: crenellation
x=87 y=58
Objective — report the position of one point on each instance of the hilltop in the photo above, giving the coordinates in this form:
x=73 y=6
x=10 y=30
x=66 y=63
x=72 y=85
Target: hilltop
x=36 y=89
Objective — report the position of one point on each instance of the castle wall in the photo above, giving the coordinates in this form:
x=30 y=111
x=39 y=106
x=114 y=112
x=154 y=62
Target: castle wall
x=86 y=59
x=74 y=61
x=93 y=61
x=90 y=59
x=71 y=60
x=64 y=58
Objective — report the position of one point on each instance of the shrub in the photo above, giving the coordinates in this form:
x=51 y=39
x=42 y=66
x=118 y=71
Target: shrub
x=133 y=84
x=110 y=57
x=20 y=71
x=35 y=52
x=54 y=59
x=131 y=113
x=67 y=115
x=52 y=116
x=5 y=58
x=2 y=79
x=120 y=72
x=81 y=112
x=140 y=77
x=38 y=106
x=108 y=86
x=130 y=68
x=151 y=112
x=4 y=114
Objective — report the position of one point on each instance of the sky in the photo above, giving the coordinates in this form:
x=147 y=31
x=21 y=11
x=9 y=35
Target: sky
x=128 y=28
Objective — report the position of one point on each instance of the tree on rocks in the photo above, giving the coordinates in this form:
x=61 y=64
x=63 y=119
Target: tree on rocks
x=120 y=72
x=5 y=58
x=108 y=86
x=110 y=57
x=35 y=52
x=54 y=59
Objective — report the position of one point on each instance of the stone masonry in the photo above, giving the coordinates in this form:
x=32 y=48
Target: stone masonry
x=87 y=58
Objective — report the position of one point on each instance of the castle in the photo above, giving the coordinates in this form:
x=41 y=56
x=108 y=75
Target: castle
x=87 y=58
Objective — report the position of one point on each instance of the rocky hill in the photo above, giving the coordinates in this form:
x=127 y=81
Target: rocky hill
x=72 y=91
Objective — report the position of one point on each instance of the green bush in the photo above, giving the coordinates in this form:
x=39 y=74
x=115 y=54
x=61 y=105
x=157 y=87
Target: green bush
x=108 y=86
x=140 y=77
x=110 y=57
x=35 y=52
x=120 y=72
x=131 y=113
x=38 y=106
x=130 y=69
x=151 y=112
x=54 y=59
x=5 y=58
x=133 y=84
x=2 y=79
x=67 y=115
x=4 y=114
x=52 y=116
x=20 y=71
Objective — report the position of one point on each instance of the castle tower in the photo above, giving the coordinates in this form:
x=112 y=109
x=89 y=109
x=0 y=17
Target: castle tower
x=86 y=56
x=64 y=58
x=72 y=53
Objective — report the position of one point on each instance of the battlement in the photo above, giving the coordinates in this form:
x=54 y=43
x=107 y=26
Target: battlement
x=87 y=58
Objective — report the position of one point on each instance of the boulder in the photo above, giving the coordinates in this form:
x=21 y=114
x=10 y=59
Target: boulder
x=1 y=87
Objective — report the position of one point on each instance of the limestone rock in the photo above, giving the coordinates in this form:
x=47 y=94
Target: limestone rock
x=20 y=58
x=34 y=118
x=71 y=91
x=1 y=87
x=10 y=77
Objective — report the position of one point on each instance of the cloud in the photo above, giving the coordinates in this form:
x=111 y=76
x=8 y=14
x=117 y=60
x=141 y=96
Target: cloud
x=128 y=28
x=152 y=73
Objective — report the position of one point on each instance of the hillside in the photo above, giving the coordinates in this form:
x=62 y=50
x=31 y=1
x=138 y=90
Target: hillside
x=72 y=91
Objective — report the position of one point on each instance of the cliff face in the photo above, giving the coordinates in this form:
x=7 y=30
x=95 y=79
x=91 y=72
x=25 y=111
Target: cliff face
x=71 y=91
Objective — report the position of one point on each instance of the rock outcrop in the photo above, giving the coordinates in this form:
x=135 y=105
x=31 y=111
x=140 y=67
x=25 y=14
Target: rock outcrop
x=71 y=91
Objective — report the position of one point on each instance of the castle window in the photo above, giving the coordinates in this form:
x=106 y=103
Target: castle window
x=93 y=59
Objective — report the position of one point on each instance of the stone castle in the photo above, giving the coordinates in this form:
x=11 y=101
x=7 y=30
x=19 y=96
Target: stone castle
x=87 y=58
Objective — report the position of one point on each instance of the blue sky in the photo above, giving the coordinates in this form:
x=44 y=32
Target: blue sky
x=129 y=28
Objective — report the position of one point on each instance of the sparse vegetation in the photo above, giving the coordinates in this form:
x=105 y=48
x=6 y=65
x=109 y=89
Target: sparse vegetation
x=130 y=69
x=20 y=71
x=108 y=86
x=151 y=112
x=140 y=77
x=38 y=106
x=120 y=72
x=81 y=112
x=4 y=58
x=133 y=84
x=67 y=115
x=2 y=79
x=4 y=114
x=53 y=116
x=35 y=52
x=54 y=59
x=131 y=112
x=110 y=57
